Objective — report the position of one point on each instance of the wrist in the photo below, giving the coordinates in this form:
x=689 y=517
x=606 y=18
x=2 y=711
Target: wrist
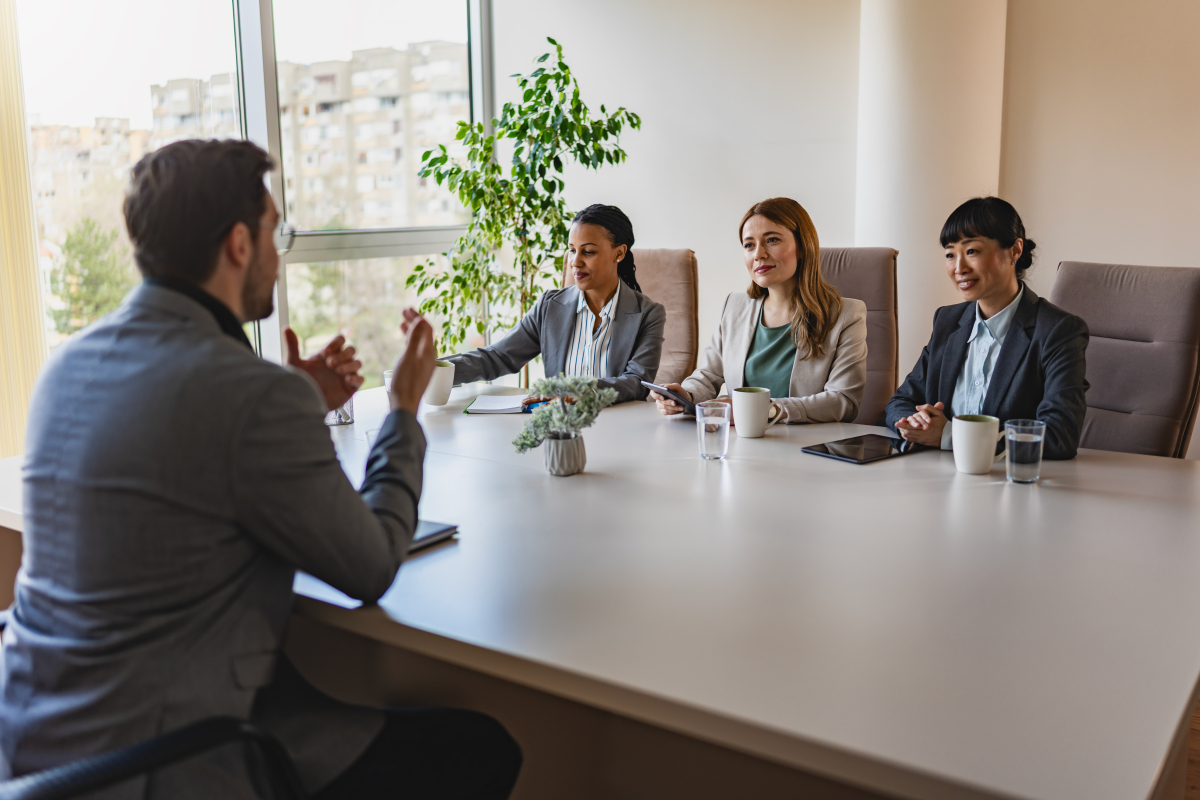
x=408 y=404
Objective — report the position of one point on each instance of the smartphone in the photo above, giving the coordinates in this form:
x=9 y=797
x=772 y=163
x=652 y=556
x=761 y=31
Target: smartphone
x=688 y=406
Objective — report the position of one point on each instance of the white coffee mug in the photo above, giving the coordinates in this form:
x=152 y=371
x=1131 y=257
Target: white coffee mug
x=754 y=412
x=437 y=393
x=975 y=437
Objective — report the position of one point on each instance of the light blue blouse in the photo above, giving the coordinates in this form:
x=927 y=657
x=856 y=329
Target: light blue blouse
x=983 y=350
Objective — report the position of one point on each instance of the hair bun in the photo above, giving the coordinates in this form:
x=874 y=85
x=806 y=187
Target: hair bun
x=1026 y=259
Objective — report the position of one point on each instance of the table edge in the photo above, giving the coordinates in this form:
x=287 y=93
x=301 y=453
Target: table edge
x=856 y=769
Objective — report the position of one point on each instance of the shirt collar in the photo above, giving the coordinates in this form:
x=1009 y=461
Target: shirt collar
x=228 y=323
x=999 y=323
x=607 y=311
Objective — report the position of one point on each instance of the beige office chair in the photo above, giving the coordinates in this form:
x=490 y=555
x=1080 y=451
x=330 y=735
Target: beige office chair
x=1143 y=358
x=869 y=274
x=669 y=277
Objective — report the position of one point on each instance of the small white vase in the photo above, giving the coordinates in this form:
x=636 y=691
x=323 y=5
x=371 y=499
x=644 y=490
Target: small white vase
x=565 y=455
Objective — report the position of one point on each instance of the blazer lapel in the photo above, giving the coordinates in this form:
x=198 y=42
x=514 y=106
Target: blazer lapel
x=1012 y=352
x=739 y=348
x=955 y=355
x=627 y=321
x=556 y=330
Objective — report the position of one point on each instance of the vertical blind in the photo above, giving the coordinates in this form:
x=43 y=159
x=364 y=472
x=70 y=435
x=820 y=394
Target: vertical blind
x=22 y=326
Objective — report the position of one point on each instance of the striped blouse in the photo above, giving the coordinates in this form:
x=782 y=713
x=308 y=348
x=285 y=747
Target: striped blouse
x=588 y=354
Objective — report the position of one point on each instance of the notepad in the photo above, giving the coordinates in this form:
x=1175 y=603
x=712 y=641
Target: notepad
x=496 y=404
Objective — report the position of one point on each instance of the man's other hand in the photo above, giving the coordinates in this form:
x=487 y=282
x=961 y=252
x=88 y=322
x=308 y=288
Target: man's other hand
x=415 y=366
x=335 y=368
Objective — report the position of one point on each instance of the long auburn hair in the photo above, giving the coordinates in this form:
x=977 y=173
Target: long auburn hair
x=815 y=304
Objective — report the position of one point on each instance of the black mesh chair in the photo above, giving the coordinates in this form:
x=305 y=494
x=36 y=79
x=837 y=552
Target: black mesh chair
x=98 y=772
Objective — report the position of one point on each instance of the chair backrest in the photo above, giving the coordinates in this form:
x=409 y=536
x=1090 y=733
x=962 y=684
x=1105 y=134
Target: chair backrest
x=869 y=274
x=1143 y=358
x=669 y=277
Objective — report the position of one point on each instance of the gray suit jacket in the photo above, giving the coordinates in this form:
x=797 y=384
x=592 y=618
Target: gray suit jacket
x=174 y=482
x=634 y=351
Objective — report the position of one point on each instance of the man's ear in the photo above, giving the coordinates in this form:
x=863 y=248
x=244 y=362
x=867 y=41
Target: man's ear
x=238 y=247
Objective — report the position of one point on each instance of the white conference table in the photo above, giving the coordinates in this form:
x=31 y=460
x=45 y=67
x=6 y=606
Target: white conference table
x=897 y=627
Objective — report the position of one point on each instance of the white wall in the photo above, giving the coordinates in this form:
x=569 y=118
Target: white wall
x=931 y=93
x=1101 y=147
x=739 y=102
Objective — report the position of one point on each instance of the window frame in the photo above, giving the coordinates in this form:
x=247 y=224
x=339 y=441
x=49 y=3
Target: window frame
x=258 y=87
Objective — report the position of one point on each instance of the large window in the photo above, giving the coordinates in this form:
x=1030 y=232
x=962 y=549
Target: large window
x=365 y=87
x=106 y=83
x=361 y=298
x=345 y=96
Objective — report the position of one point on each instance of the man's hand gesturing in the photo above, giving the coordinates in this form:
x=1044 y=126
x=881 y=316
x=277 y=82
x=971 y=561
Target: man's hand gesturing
x=415 y=366
x=334 y=368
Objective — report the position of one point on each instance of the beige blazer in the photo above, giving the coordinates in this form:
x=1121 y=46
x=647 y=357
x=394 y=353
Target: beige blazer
x=826 y=389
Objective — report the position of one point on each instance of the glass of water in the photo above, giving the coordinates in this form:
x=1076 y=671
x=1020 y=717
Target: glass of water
x=1024 y=445
x=712 y=427
x=387 y=383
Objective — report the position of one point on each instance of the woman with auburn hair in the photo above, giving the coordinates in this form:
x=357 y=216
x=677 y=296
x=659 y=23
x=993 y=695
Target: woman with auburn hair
x=790 y=331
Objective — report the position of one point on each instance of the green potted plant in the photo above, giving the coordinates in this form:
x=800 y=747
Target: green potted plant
x=520 y=203
x=575 y=404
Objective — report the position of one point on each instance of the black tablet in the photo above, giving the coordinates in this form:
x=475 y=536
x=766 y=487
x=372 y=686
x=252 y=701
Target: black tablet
x=864 y=449
x=430 y=533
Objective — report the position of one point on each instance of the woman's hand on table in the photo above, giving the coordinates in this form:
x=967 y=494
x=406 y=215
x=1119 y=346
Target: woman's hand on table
x=532 y=399
x=665 y=404
x=924 y=426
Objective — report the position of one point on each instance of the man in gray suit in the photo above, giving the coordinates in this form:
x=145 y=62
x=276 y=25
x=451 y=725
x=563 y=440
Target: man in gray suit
x=174 y=482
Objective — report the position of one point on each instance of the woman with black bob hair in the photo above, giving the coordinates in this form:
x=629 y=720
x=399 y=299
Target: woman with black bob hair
x=1004 y=352
x=601 y=327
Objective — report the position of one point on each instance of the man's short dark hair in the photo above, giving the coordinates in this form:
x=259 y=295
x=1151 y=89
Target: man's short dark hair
x=184 y=198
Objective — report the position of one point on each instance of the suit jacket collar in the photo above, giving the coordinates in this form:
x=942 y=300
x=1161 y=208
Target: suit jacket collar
x=1012 y=352
x=557 y=328
x=159 y=298
x=627 y=321
x=229 y=324
x=739 y=348
x=1016 y=342
x=559 y=325
x=956 y=354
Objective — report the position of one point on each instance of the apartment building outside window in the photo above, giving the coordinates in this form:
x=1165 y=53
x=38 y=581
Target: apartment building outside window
x=346 y=109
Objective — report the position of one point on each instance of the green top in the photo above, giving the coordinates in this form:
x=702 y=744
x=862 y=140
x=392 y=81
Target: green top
x=769 y=363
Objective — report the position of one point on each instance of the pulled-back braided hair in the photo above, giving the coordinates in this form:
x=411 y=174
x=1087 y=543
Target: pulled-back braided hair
x=620 y=230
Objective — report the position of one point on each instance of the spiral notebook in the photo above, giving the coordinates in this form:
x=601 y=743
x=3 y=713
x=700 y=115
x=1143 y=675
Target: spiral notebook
x=496 y=404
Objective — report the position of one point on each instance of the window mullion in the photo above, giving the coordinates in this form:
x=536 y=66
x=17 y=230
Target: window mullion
x=255 y=26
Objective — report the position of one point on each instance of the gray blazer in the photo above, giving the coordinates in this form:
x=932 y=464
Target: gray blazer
x=634 y=350
x=174 y=482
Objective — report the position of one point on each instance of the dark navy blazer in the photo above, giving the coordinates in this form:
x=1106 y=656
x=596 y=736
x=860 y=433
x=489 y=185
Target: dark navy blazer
x=1038 y=375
